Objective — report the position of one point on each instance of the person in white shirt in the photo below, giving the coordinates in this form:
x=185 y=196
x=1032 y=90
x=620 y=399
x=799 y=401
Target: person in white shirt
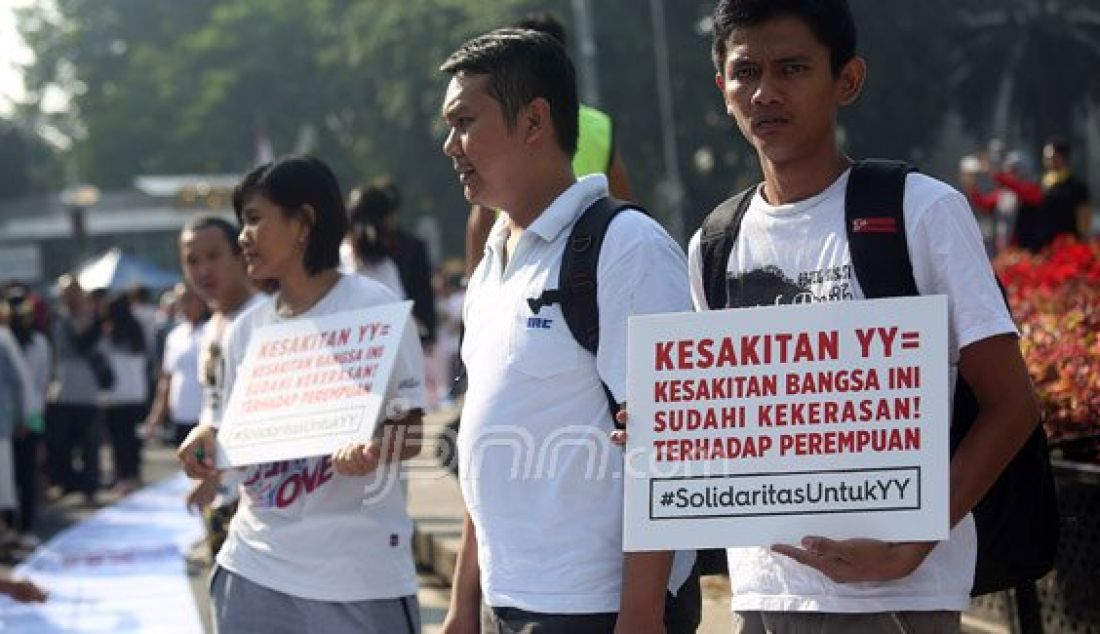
x=124 y=346
x=367 y=208
x=320 y=557
x=784 y=70
x=28 y=440
x=178 y=396
x=213 y=265
x=543 y=545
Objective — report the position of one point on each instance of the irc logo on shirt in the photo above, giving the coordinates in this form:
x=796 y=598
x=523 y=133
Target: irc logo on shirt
x=539 y=323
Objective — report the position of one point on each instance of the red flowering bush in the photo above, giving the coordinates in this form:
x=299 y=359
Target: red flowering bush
x=1055 y=297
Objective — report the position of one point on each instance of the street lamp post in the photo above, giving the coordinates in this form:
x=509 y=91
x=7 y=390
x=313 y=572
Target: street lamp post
x=78 y=200
x=672 y=188
x=589 y=80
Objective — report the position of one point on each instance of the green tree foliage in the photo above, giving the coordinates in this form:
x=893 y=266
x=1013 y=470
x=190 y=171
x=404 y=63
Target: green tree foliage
x=27 y=163
x=166 y=86
x=185 y=86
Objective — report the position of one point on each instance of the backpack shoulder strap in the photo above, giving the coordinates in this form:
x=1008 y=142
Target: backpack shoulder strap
x=716 y=239
x=875 y=224
x=577 y=279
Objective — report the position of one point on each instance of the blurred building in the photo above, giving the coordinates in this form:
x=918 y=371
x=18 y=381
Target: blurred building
x=44 y=236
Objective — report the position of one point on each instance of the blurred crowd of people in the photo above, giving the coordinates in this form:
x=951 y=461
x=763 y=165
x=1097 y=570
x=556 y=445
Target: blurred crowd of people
x=1018 y=208
x=81 y=369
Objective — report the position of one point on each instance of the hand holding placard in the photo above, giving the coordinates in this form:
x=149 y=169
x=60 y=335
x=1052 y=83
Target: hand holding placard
x=858 y=560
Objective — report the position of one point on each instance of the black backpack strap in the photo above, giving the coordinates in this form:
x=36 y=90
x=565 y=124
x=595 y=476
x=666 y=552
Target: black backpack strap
x=577 y=279
x=875 y=223
x=716 y=240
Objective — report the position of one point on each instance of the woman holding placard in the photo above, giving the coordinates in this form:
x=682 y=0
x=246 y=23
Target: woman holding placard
x=308 y=551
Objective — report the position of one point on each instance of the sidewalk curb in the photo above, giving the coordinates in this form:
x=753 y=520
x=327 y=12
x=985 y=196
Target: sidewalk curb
x=435 y=547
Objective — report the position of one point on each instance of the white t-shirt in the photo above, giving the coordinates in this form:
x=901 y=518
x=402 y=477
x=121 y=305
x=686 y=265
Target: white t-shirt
x=211 y=362
x=799 y=252
x=181 y=365
x=301 y=528
x=385 y=273
x=37 y=354
x=541 y=480
x=131 y=379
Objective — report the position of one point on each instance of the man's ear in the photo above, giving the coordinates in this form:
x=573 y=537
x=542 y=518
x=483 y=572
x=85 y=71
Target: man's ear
x=851 y=79
x=535 y=120
x=309 y=220
x=720 y=82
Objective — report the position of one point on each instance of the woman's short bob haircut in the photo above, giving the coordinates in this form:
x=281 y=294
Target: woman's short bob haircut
x=292 y=182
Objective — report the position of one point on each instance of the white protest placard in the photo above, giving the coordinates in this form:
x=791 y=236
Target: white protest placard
x=308 y=387
x=759 y=426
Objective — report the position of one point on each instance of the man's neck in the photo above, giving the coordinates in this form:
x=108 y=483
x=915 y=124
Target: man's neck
x=233 y=303
x=536 y=196
x=792 y=181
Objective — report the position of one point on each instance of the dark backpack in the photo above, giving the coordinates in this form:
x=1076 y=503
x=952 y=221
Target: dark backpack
x=576 y=293
x=1017 y=520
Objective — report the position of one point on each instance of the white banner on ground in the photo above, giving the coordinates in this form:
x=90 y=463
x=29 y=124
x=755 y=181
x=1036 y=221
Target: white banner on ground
x=120 y=571
x=758 y=426
x=309 y=387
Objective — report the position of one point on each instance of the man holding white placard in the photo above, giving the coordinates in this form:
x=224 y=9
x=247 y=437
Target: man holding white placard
x=784 y=71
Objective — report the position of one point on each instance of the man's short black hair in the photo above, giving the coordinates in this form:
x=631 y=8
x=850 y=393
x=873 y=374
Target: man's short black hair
x=543 y=22
x=830 y=21
x=523 y=65
x=291 y=182
x=229 y=230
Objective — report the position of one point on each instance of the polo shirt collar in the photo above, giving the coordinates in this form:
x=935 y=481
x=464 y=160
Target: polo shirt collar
x=568 y=206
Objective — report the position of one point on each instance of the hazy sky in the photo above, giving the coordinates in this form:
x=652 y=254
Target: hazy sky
x=12 y=50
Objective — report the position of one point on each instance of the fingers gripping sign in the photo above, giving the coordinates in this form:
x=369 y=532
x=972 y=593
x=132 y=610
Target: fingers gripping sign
x=356 y=458
x=196 y=453
x=619 y=436
x=856 y=560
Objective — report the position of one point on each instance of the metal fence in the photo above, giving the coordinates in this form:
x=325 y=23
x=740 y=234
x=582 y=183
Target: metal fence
x=1069 y=597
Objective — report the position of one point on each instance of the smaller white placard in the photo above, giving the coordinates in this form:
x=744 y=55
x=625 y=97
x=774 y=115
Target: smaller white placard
x=308 y=387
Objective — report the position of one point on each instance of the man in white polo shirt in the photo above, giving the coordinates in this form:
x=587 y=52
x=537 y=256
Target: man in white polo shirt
x=541 y=481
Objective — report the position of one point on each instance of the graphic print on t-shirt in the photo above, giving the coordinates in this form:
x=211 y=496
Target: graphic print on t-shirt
x=769 y=286
x=280 y=484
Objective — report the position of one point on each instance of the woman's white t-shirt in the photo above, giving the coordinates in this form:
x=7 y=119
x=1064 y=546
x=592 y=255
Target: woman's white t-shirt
x=301 y=528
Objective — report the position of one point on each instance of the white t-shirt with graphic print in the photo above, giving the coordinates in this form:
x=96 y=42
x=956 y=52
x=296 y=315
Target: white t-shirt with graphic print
x=212 y=371
x=799 y=252
x=301 y=528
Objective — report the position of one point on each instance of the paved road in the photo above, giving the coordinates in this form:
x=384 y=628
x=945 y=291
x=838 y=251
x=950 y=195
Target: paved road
x=434 y=505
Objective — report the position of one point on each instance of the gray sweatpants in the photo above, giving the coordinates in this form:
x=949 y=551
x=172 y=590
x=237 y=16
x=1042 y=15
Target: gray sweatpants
x=836 y=623
x=243 y=607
